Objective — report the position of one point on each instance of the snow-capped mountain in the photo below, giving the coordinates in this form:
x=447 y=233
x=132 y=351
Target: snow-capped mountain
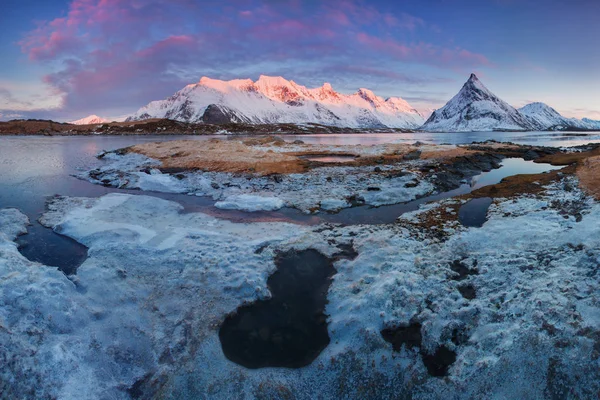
x=277 y=100
x=546 y=117
x=476 y=108
x=591 y=123
x=89 y=120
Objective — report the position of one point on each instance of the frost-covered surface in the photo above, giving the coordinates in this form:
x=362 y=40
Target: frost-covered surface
x=248 y=202
x=277 y=100
x=12 y=223
x=154 y=288
x=327 y=188
x=149 y=300
x=475 y=108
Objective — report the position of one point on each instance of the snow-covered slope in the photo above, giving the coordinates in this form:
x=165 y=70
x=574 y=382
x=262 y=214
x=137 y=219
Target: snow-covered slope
x=546 y=117
x=475 y=108
x=89 y=120
x=591 y=123
x=277 y=100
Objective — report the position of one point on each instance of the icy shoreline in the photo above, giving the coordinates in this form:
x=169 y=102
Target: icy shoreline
x=145 y=308
x=324 y=188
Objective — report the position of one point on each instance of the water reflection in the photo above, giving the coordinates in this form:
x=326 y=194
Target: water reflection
x=34 y=167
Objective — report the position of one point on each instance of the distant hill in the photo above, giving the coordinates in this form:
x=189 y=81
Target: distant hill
x=91 y=119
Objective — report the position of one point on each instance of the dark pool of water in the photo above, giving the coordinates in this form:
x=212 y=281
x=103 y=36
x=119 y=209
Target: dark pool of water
x=52 y=249
x=289 y=329
x=474 y=212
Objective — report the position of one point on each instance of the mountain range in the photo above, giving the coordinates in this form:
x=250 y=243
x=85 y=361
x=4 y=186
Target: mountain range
x=277 y=100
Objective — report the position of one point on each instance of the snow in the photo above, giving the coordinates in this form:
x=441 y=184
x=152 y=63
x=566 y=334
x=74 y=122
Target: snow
x=476 y=108
x=327 y=188
x=12 y=223
x=247 y=202
x=275 y=100
x=90 y=120
x=546 y=117
x=158 y=283
x=333 y=204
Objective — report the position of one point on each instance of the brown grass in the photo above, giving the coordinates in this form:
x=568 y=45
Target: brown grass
x=588 y=173
x=568 y=158
x=517 y=185
x=220 y=156
x=255 y=155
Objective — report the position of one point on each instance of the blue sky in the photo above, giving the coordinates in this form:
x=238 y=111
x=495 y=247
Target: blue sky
x=67 y=59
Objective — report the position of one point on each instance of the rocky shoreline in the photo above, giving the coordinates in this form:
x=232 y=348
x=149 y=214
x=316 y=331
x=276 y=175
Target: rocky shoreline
x=172 y=127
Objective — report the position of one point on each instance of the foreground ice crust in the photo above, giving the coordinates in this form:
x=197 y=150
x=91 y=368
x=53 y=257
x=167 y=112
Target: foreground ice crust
x=325 y=188
x=148 y=302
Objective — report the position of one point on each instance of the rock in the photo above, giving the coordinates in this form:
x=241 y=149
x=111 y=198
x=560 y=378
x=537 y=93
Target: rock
x=530 y=155
x=413 y=155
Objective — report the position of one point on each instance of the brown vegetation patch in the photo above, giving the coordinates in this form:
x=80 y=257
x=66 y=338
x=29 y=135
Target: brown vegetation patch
x=517 y=185
x=588 y=173
x=220 y=156
x=435 y=222
x=256 y=155
x=569 y=158
x=446 y=152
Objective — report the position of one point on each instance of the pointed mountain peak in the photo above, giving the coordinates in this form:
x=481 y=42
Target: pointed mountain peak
x=327 y=87
x=366 y=93
x=265 y=80
x=476 y=108
x=537 y=106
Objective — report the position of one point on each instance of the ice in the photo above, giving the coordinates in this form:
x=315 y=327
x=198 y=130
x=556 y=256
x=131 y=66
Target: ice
x=147 y=304
x=250 y=203
x=334 y=204
x=12 y=223
x=326 y=188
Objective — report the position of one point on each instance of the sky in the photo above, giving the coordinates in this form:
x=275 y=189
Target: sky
x=66 y=59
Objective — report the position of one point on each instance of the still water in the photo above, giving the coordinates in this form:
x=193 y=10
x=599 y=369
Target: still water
x=35 y=167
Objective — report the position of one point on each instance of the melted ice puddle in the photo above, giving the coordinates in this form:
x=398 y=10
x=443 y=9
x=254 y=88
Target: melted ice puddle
x=331 y=159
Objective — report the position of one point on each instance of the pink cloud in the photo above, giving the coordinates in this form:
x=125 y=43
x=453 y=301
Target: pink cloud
x=421 y=52
x=124 y=53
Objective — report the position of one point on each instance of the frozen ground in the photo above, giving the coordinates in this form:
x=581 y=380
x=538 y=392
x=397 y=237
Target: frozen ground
x=147 y=304
x=325 y=188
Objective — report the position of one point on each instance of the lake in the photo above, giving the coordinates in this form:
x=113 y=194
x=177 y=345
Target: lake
x=34 y=167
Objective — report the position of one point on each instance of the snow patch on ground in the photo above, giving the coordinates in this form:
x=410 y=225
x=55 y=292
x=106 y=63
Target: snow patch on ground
x=250 y=203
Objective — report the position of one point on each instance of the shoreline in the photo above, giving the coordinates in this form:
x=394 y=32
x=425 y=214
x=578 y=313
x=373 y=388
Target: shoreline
x=172 y=127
